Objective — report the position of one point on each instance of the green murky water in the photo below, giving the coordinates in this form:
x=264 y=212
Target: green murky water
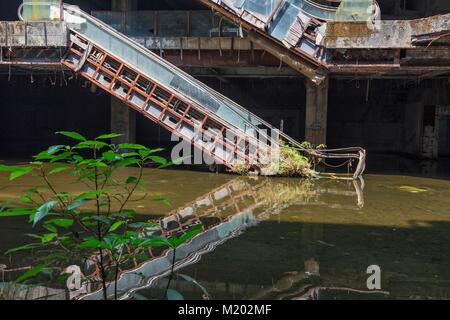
x=294 y=239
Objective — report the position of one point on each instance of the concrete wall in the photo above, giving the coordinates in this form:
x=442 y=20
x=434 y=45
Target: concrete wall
x=386 y=117
x=413 y=8
x=30 y=113
x=388 y=121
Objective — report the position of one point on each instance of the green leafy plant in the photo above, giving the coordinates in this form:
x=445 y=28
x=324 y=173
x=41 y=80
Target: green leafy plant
x=291 y=163
x=94 y=227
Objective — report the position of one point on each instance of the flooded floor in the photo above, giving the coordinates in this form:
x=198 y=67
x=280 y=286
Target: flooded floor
x=294 y=239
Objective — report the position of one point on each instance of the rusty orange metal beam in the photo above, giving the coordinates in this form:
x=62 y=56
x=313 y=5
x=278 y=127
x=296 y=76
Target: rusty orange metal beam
x=110 y=69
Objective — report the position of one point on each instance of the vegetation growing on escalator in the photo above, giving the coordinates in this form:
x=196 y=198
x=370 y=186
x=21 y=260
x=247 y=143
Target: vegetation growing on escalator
x=291 y=162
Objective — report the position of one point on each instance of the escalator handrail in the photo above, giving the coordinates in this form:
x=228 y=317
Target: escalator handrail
x=187 y=77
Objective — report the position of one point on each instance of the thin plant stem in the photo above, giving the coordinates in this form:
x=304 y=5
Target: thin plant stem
x=99 y=231
x=130 y=193
x=172 y=269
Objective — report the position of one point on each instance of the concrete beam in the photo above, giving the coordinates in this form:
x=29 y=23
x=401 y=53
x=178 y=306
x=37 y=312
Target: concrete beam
x=242 y=72
x=33 y=34
x=316 y=112
x=196 y=43
x=391 y=34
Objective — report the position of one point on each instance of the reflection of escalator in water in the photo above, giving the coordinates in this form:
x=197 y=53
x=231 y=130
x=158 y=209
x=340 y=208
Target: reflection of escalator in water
x=225 y=131
x=225 y=213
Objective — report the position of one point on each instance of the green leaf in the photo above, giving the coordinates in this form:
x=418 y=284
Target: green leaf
x=180 y=160
x=155 y=242
x=110 y=156
x=32 y=190
x=177 y=241
x=43 y=211
x=109 y=136
x=98 y=164
x=125 y=214
x=29 y=246
x=116 y=225
x=126 y=162
x=57 y=170
x=176 y=162
x=159 y=160
x=20 y=172
x=62 y=156
x=15 y=212
x=77 y=204
x=63 y=223
x=90 y=243
x=138 y=225
x=26 y=198
x=162 y=200
x=144 y=153
x=46 y=238
x=54 y=149
x=89 y=174
x=77 y=158
x=89 y=194
x=174 y=295
x=44 y=155
x=72 y=134
x=8 y=168
x=101 y=219
x=131 y=146
x=34 y=236
x=91 y=144
x=132 y=180
x=31 y=273
x=50 y=227
x=130 y=154
x=63 y=195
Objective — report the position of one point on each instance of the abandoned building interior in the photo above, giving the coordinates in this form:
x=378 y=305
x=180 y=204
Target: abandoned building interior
x=313 y=69
x=333 y=82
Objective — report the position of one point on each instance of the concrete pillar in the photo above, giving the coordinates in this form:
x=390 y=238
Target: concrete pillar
x=426 y=9
x=124 y=5
x=316 y=112
x=398 y=8
x=123 y=118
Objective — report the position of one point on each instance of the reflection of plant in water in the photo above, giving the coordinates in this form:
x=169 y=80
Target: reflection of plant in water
x=412 y=189
x=7 y=292
x=241 y=168
x=278 y=191
x=93 y=229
